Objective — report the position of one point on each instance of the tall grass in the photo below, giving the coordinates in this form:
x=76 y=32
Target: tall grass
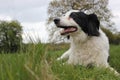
x=39 y=62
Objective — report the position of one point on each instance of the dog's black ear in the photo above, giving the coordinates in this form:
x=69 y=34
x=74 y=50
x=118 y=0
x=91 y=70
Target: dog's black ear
x=93 y=25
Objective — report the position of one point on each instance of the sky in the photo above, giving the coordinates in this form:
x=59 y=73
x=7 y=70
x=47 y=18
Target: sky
x=32 y=14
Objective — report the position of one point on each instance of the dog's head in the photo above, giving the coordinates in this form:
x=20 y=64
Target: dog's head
x=75 y=21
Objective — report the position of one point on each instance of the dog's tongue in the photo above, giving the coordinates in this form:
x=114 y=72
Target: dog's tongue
x=68 y=30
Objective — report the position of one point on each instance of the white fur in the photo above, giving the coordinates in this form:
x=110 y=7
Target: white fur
x=84 y=49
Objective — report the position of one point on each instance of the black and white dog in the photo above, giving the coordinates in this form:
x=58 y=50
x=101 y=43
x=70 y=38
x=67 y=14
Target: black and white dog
x=89 y=44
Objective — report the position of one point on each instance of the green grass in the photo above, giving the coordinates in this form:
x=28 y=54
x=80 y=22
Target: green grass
x=39 y=63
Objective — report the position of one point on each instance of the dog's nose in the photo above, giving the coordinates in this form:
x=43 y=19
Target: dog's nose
x=56 y=21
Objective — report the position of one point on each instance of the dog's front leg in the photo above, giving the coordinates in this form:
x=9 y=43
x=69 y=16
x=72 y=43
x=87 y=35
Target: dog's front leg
x=65 y=55
x=115 y=72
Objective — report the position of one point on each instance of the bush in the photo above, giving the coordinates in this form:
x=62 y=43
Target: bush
x=10 y=36
x=113 y=38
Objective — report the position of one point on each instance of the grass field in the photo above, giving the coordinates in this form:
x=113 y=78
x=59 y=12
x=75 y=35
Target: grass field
x=39 y=63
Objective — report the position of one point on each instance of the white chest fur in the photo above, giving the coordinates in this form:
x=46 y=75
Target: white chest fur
x=86 y=50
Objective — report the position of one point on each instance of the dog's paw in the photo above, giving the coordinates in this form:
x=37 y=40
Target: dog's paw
x=58 y=58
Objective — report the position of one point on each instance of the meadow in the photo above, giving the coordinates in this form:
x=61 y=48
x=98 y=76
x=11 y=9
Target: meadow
x=38 y=62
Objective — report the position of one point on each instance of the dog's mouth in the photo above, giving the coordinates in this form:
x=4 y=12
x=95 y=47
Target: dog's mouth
x=68 y=29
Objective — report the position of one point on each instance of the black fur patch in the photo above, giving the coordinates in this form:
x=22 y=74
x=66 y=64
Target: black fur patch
x=88 y=23
x=93 y=25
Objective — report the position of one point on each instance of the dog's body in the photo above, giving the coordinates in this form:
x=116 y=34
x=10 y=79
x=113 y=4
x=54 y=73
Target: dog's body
x=89 y=44
x=85 y=50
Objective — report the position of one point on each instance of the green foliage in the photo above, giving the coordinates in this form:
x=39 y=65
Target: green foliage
x=10 y=36
x=114 y=56
x=113 y=38
x=39 y=63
